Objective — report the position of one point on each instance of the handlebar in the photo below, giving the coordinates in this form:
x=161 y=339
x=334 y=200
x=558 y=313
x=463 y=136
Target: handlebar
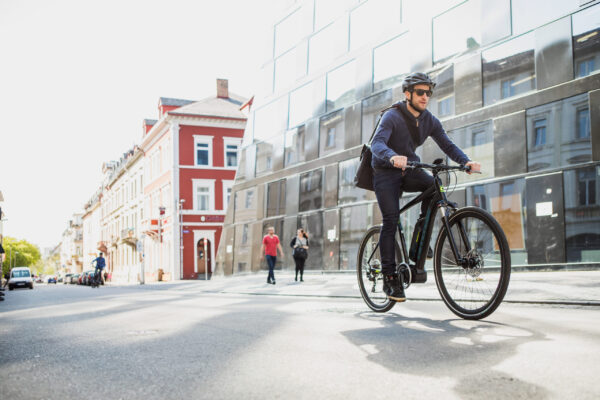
x=438 y=167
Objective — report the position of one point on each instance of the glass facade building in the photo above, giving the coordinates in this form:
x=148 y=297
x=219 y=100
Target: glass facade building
x=518 y=89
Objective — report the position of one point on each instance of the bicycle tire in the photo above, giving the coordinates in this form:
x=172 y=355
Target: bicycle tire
x=376 y=300
x=463 y=299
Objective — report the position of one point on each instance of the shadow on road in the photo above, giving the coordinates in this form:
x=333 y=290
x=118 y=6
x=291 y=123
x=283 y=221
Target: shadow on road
x=466 y=351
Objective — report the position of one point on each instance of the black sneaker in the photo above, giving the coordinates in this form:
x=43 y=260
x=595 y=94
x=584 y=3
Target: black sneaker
x=393 y=288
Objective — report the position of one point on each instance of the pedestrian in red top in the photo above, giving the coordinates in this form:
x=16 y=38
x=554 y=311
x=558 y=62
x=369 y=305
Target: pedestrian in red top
x=269 y=247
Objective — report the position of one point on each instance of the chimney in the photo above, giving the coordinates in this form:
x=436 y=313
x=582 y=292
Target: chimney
x=222 y=88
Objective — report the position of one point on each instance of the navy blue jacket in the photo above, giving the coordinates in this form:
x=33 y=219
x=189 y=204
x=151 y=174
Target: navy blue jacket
x=393 y=137
x=100 y=263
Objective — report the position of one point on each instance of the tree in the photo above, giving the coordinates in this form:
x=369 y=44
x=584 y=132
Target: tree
x=19 y=253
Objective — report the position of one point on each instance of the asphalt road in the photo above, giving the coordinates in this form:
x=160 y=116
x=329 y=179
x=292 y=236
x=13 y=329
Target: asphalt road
x=73 y=342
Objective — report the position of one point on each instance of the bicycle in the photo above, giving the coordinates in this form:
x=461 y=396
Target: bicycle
x=471 y=260
x=96 y=279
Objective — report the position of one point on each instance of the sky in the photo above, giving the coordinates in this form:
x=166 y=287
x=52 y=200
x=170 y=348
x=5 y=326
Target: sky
x=77 y=78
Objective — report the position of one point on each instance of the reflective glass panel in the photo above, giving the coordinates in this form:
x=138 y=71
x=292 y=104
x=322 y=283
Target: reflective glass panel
x=341 y=86
x=354 y=221
x=348 y=193
x=242 y=257
x=529 y=14
x=508 y=69
x=557 y=134
x=269 y=155
x=276 y=198
x=371 y=19
x=390 y=63
x=327 y=10
x=331 y=135
x=311 y=190
x=286 y=71
x=313 y=225
x=371 y=108
x=327 y=44
x=271 y=119
x=451 y=37
x=289 y=31
x=495 y=20
x=506 y=202
x=304 y=102
x=294 y=146
x=582 y=214
x=245 y=205
x=477 y=141
x=586 y=41
x=442 y=102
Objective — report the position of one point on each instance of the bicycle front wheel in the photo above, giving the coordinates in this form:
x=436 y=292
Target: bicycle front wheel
x=368 y=270
x=474 y=285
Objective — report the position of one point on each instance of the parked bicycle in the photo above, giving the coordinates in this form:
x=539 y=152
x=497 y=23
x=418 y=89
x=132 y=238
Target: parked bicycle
x=471 y=260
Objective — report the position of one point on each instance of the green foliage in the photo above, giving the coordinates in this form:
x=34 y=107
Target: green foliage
x=19 y=253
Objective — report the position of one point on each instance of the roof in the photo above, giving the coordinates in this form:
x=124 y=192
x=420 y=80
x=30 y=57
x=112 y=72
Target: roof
x=150 y=121
x=228 y=107
x=168 y=101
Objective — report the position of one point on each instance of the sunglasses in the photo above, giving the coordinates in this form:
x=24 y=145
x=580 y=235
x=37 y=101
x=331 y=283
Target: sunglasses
x=421 y=92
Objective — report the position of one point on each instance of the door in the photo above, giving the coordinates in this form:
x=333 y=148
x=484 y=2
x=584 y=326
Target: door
x=203 y=255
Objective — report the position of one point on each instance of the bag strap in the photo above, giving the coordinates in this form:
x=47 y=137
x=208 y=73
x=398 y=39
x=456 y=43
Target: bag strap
x=378 y=120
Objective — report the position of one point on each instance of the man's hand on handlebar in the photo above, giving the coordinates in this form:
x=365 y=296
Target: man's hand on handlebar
x=474 y=166
x=399 y=162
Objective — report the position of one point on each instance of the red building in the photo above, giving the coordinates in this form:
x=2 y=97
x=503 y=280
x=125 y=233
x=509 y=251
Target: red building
x=191 y=157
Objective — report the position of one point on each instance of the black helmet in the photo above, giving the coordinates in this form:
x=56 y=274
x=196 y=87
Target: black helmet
x=416 y=79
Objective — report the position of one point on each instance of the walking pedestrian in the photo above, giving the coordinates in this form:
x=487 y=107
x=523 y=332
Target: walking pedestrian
x=300 y=245
x=269 y=247
x=2 y=284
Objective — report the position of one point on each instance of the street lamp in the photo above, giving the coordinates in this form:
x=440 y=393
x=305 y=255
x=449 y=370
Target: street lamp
x=181 y=201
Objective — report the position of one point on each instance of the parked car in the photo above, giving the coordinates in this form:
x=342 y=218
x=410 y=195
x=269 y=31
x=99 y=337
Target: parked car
x=52 y=279
x=20 y=277
x=80 y=279
x=74 y=278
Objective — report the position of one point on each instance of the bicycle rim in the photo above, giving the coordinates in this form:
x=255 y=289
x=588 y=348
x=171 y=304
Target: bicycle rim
x=475 y=291
x=368 y=269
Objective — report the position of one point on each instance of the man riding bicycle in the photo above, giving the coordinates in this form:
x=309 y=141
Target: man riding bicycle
x=401 y=130
x=100 y=265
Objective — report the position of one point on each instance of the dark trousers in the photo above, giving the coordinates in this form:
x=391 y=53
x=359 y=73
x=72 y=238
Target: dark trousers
x=299 y=266
x=389 y=184
x=271 y=260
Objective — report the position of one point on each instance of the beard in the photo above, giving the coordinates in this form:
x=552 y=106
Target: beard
x=417 y=107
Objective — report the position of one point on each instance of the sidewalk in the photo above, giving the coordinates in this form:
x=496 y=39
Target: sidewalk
x=560 y=287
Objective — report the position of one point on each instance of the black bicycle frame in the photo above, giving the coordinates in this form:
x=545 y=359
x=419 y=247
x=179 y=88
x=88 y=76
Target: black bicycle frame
x=439 y=200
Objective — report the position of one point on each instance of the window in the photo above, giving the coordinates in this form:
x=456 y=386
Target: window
x=586 y=41
x=539 y=128
x=508 y=69
x=203 y=148
x=507 y=88
x=294 y=146
x=332 y=133
x=204 y=194
x=276 y=198
x=585 y=67
x=558 y=133
x=311 y=190
x=479 y=197
x=227 y=188
x=348 y=192
x=444 y=91
x=582 y=130
x=232 y=148
x=529 y=14
x=290 y=30
x=289 y=67
x=586 y=187
x=249 y=196
x=306 y=101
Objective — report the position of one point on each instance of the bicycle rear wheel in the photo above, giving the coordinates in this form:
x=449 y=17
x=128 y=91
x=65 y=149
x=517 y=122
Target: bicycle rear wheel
x=368 y=271
x=474 y=287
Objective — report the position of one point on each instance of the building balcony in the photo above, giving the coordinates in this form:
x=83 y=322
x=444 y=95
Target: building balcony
x=101 y=246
